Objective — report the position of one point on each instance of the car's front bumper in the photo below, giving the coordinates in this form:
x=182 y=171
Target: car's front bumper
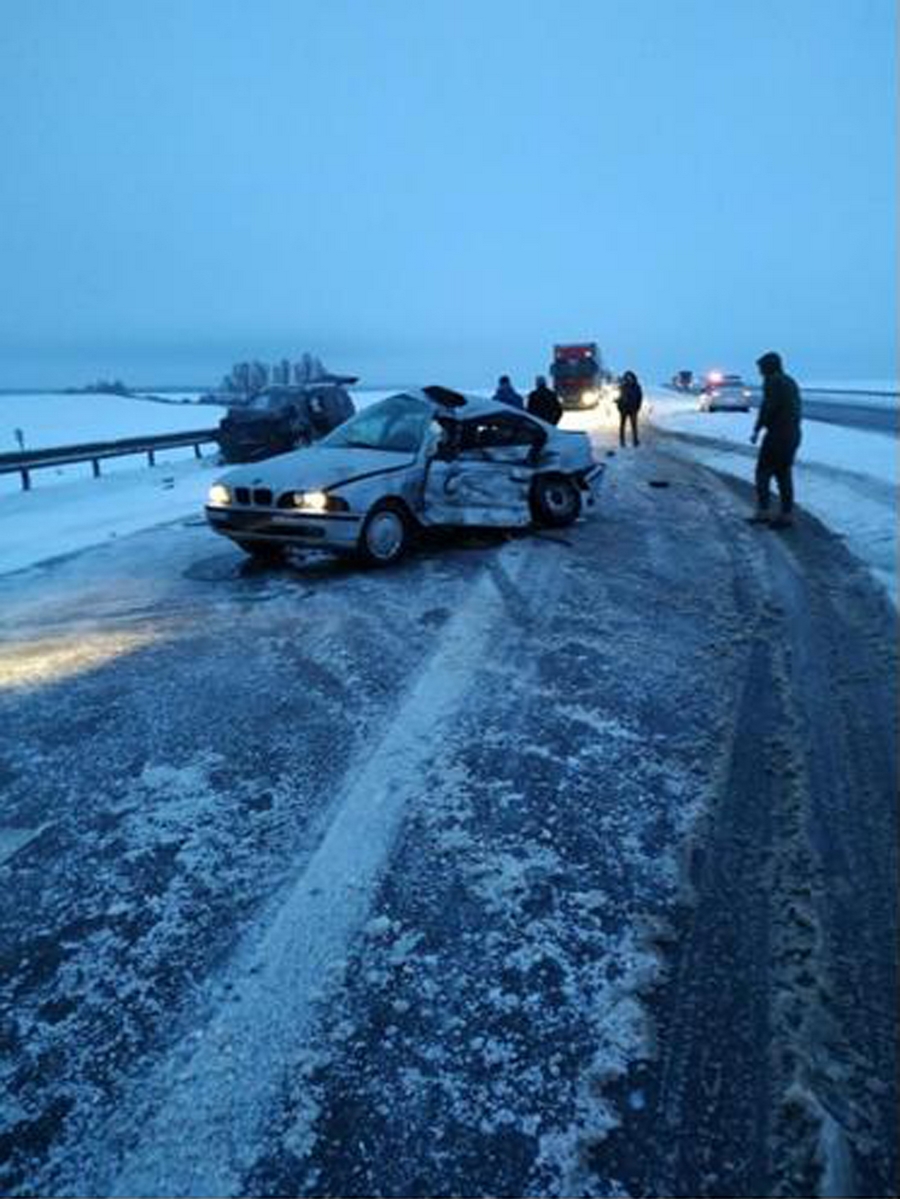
x=329 y=530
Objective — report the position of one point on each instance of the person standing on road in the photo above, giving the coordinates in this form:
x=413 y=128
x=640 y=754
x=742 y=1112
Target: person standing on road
x=544 y=403
x=779 y=415
x=507 y=394
x=630 y=398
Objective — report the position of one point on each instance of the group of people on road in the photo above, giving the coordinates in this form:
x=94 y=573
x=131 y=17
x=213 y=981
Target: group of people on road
x=778 y=419
x=544 y=403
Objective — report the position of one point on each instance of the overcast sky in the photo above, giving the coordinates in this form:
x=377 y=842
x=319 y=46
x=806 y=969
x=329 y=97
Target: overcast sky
x=425 y=190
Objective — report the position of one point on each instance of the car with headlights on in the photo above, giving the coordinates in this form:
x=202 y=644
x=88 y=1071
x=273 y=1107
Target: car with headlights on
x=725 y=393
x=419 y=459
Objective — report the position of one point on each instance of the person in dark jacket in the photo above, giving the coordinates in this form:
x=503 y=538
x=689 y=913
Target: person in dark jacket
x=779 y=415
x=507 y=394
x=631 y=396
x=544 y=403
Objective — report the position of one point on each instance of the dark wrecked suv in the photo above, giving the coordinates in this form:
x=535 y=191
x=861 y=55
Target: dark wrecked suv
x=282 y=418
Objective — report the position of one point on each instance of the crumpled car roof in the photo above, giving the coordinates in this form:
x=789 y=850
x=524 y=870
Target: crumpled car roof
x=458 y=405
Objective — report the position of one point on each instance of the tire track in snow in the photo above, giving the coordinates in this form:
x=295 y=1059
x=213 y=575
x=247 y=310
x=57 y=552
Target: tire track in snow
x=777 y=1051
x=198 y=1123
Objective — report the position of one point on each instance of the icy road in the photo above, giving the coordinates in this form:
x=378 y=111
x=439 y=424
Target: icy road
x=556 y=864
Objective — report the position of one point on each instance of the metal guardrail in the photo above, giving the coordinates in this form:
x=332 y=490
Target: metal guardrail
x=26 y=461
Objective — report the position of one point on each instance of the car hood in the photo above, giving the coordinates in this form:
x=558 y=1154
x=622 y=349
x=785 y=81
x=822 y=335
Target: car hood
x=316 y=467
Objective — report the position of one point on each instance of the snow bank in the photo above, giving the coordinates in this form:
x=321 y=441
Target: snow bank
x=63 y=519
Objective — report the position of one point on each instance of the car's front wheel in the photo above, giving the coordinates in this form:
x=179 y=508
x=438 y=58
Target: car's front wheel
x=555 y=501
x=386 y=535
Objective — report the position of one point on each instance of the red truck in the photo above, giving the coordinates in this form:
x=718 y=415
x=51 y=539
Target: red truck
x=577 y=372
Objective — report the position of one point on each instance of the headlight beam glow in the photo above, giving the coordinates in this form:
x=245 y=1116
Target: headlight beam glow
x=219 y=495
x=311 y=501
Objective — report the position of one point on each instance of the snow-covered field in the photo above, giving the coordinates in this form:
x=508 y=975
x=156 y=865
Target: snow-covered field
x=51 y=419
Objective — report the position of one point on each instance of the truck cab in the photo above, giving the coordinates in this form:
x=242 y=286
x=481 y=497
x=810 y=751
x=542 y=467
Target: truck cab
x=577 y=372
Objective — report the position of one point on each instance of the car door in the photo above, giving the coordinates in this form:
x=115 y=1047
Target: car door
x=482 y=475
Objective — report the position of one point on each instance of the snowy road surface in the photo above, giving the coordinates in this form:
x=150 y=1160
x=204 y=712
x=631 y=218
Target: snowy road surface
x=558 y=864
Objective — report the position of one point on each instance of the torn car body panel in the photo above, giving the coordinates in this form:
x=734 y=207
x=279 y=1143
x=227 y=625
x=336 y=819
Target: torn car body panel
x=467 y=492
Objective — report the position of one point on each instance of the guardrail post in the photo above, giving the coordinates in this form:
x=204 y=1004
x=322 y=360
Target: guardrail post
x=151 y=458
x=26 y=479
x=95 y=466
x=197 y=453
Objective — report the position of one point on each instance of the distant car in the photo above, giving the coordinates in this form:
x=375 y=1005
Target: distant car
x=280 y=418
x=419 y=459
x=725 y=393
x=683 y=380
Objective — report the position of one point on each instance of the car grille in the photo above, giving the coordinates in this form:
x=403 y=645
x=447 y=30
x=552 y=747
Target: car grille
x=259 y=495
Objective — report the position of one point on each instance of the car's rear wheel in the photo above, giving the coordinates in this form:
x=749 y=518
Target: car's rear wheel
x=262 y=551
x=555 y=501
x=386 y=535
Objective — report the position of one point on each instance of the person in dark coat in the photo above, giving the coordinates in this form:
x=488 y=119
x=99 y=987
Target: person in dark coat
x=544 y=403
x=779 y=415
x=507 y=394
x=631 y=396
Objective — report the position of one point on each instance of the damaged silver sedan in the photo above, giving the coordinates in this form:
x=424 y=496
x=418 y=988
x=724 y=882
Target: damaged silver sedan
x=419 y=459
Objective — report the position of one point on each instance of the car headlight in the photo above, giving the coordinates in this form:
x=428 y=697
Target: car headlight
x=311 y=501
x=314 y=501
x=219 y=495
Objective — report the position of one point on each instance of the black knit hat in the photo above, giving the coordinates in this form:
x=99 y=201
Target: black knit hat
x=770 y=363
